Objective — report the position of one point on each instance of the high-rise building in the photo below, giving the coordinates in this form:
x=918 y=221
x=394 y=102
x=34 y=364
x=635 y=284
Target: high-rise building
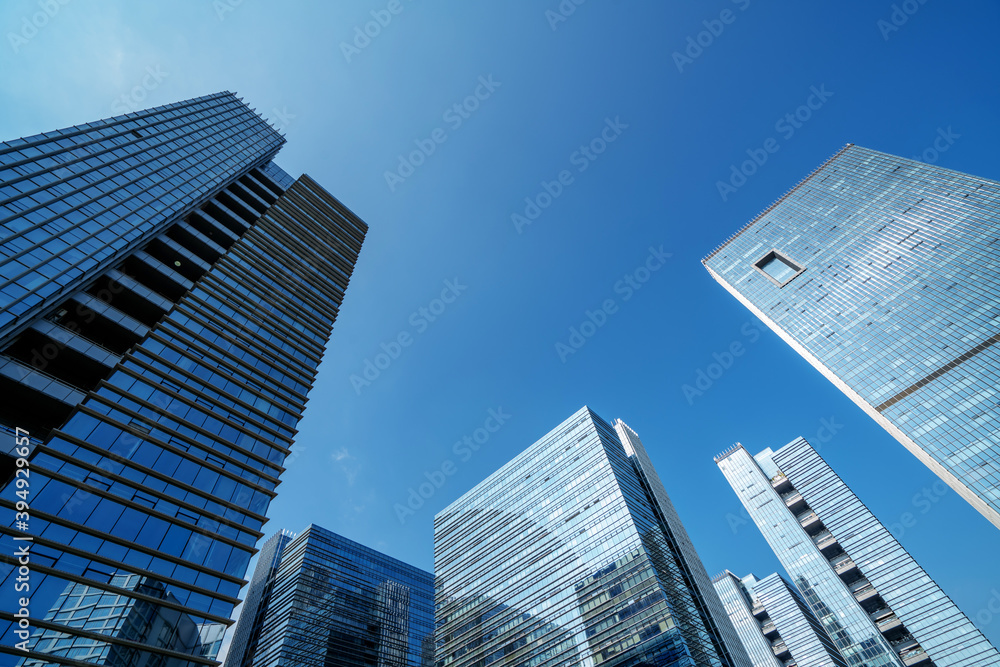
x=884 y=274
x=754 y=627
x=801 y=631
x=773 y=622
x=166 y=294
x=573 y=554
x=337 y=603
x=255 y=602
x=878 y=606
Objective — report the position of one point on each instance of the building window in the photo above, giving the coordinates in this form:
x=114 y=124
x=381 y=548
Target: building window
x=778 y=268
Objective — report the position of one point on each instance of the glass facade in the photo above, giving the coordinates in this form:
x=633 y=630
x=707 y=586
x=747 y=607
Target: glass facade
x=255 y=602
x=754 y=627
x=572 y=554
x=939 y=627
x=897 y=301
x=801 y=633
x=337 y=603
x=73 y=200
x=161 y=376
x=875 y=603
x=797 y=547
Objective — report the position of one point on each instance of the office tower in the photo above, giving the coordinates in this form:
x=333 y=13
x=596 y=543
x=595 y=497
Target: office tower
x=754 y=627
x=256 y=600
x=337 y=603
x=801 y=631
x=167 y=292
x=774 y=624
x=884 y=274
x=572 y=554
x=876 y=604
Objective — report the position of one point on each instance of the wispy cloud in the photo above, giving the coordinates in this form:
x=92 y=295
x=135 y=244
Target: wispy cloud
x=347 y=463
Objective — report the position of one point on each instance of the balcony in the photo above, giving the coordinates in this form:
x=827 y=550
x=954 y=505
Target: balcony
x=889 y=624
x=758 y=609
x=825 y=540
x=34 y=399
x=844 y=565
x=768 y=628
x=810 y=522
x=918 y=657
x=911 y=653
x=863 y=591
x=780 y=482
x=779 y=648
x=791 y=497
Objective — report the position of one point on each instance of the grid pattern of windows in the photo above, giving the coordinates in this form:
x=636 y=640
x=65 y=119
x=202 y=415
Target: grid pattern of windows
x=75 y=200
x=898 y=302
x=255 y=602
x=565 y=557
x=183 y=360
x=337 y=603
x=803 y=549
x=947 y=636
x=801 y=633
x=755 y=630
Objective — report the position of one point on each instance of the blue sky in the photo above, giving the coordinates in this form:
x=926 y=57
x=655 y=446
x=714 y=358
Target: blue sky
x=516 y=288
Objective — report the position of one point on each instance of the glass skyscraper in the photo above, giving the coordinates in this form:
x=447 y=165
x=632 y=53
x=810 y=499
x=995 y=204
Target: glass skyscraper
x=874 y=601
x=572 y=554
x=755 y=629
x=884 y=273
x=337 y=603
x=773 y=622
x=166 y=294
x=255 y=603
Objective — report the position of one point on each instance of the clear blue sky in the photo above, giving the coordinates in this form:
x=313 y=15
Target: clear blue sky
x=553 y=91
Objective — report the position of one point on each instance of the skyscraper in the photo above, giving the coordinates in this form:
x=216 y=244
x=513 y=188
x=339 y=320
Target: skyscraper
x=775 y=625
x=755 y=629
x=167 y=292
x=572 y=554
x=255 y=603
x=884 y=274
x=874 y=601
x=337 y=603
x=801 y=632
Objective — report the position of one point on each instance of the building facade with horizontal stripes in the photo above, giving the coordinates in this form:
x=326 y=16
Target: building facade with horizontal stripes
x=875 y=603
x=337 y=603
x=246 y=634
x=884 y=274
x=166 y=296
x=753 y=626
x=802 y=636
x=572 y=555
